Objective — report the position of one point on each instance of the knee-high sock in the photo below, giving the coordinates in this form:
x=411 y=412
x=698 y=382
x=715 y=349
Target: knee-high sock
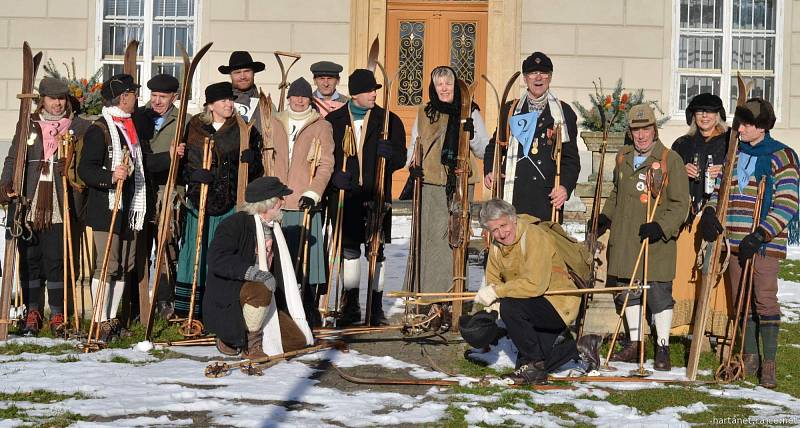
x=663 y=322
x=34 y=295
x=254 y=317
x=119 y=289
x=633 y=316
x=55 y=297
x=381 y=272
x=751 y=336
x=351 y=273
x=103 y=312
x=768 y=329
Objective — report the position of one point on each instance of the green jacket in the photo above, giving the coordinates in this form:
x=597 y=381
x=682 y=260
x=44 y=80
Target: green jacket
x=161 y=142
x=626 y=209
x=531 y=266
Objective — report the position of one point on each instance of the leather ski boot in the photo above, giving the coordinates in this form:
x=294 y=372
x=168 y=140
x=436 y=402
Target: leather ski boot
x=751 y=364
x=351 y=310
x=254 y=345
x=768 y=379
x=378 y=317
x=224 y=349
x=662 y=362
x=57 y=324
x=628 y=354
x=529 y=374
x=33 y=323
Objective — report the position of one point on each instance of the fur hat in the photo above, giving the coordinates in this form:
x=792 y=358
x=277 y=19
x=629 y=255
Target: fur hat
x=757 y=112
x=704 y=102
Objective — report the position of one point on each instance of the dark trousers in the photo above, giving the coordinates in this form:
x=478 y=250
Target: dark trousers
x=42 y=257
x=538 y=332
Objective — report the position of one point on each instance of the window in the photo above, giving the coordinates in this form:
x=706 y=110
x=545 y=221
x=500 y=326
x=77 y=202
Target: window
x=157 y=24
x=715 y=39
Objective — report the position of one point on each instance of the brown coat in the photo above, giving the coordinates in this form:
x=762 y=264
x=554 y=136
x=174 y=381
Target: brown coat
x=297 y=174
x=529 y=267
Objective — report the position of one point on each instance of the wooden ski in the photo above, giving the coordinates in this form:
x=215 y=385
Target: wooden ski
x=30 y=64
x=189 y=68
x=129 y=63
x=459 y=227
x=284 y=73
x=501 y=137
x=267 y=146
x=702 y=303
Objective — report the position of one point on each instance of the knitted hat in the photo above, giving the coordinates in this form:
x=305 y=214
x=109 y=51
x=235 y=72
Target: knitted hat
x=300 y=88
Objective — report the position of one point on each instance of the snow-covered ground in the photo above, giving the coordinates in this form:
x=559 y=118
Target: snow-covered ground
x=147 y=391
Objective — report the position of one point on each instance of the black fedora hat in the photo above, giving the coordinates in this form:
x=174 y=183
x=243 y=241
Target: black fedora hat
x=118 y=84
x=239 y=60
x=362 y=80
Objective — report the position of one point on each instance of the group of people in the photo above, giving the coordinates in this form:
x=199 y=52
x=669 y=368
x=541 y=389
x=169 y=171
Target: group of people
x=256 y=301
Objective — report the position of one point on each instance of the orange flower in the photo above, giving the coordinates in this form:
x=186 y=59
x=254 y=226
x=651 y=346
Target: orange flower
x=84 y=82
x=625 y=98
x=78 y=93
x=608 y=101
x=96 y=87
x=622 y=106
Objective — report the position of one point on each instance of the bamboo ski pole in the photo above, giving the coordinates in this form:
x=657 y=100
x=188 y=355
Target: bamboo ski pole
x=100 y=300
x=643 y=314
x=65 y=152
x=192 y=327
x=557 y=149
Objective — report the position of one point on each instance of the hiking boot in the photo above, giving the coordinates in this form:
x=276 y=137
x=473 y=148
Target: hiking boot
x=628 y=354
x=529 y=374
x=767 y=379
x=662 y=362
x=105 y=331
x=378 y=318
x=254 y=345
x=33 y=323
x=751 y=364
x=223 y=348
x=57 y=325
x=351 y=310
x=588 y=346
x=118 y=329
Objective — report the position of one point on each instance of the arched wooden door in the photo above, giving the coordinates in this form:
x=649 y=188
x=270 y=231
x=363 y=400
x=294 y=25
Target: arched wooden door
x=423 y=35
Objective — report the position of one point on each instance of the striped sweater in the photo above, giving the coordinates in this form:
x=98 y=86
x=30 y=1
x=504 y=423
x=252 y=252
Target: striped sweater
x=741 y=208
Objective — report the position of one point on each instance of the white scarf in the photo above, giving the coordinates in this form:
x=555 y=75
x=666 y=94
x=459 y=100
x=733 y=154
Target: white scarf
x=271 y=342
x=511 y=158
x=137 y=211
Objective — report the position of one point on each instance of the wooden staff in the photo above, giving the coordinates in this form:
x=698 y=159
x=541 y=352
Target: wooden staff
x=335 y=250
x=285 y=73
x=100 y=300
x=642 y=317
x=302 y=244
x=733 y=369
x=419 y=298
x=412 y=280
x=65 y=151
x=557 y=149
x=244 y=144
x=192 y=327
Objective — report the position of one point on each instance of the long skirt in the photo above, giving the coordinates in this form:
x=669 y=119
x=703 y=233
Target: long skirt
x=186 y=258
x=436 y=256
x=291 y=226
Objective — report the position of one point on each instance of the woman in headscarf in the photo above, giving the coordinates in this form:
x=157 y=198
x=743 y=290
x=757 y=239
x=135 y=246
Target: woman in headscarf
x=437 y=129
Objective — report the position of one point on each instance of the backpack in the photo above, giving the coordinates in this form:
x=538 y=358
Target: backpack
x=576 y=256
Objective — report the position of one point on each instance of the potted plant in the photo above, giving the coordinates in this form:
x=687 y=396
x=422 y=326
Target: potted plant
x=85 y=93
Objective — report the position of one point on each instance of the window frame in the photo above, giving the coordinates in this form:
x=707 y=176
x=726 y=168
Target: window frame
x=145 y=62
x=727 y=54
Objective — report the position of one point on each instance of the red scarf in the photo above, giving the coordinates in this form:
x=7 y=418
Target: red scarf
x=130 y=129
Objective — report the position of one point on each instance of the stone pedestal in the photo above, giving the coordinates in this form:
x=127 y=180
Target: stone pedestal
x=594 y=142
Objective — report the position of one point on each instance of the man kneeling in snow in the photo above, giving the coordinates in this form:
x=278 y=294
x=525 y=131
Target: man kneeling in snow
x=251 y=301
x=523 y=264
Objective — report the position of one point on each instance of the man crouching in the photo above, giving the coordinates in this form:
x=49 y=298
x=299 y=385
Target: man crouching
x=251 y=301
x=523 y=264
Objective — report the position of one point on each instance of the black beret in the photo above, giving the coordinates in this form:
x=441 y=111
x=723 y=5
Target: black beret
x=219 y=91
x=537 y=62
x=163 y=83
x=326 y=68
x=264 y=188
x=362 y=80
x=117 y=85
x=704 y=102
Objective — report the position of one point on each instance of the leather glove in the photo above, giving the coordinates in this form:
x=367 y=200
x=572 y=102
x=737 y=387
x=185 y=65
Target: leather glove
x=486 y=295
x=750 y=245
x=603 y=224
x=60 y=167
x=248 y=156
x=385 y=149
x=202 y=176
x=305 y=203
x=469 y=127
x=342 y=180
x=651 y=231
x=709 y=225
x=415 y=172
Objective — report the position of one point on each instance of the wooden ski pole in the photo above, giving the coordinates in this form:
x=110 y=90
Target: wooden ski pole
x=557 y=149
x=643 y=315
x=412 y=276
x=285 y=73
x=301 y=263
x=94 y=330
x=192 y=327
x=65 y=152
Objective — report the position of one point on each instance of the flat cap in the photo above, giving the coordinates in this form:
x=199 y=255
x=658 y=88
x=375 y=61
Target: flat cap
x=163 y=83
x=326 y=68
x=264 y=188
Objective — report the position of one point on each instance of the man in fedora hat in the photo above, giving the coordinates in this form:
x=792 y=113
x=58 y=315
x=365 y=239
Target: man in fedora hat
x=625 y=214
x=101 y=167
x=249 y=268
x=759 y=156
x=162 y=111
x=41 y=258
x=326 y=77
x=303 y=143
x=530 y=167
x=242 y=70
x=366 y=120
